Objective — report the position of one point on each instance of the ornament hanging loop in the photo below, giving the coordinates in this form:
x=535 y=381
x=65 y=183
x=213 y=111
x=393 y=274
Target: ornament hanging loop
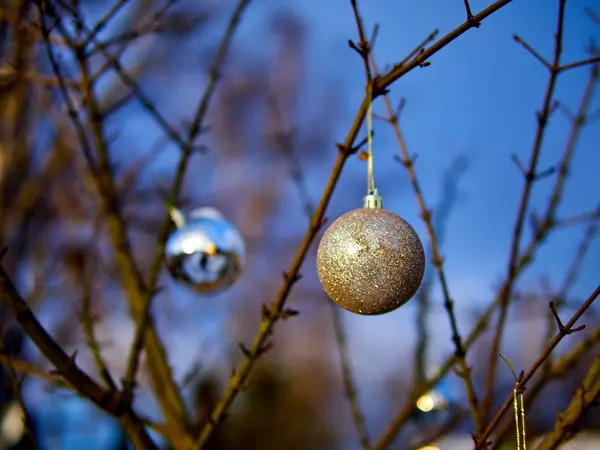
x=372 y=199
x=177 y=216
x=370 y=177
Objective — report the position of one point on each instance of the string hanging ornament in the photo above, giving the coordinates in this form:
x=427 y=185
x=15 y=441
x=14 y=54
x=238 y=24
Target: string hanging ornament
x=370 y=261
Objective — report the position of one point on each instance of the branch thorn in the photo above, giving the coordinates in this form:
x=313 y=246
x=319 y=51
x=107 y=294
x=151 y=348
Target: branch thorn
x=561 y=327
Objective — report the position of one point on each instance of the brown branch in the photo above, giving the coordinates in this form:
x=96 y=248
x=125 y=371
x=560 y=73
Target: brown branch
x=172 y=403
x=407 y=410
x=400 y=70
x=128 y=81
x=579 y=256
x=126 y=37
x=164 y=385
x=578 y=125
x=563 y=330
x=530 y=178
x=557 y=369
x=577 y=219
x=8 y=76
x=585 y=397
x=468 y=10
x=265 y=328
x=283 y=141
x=103 y=22
x=418 y=49
x=88 y=322
x=572 y=274
x=194 y=129
x=169 y=396
x=27 y=368
x=568 y=362
x=350 y=390
x=585 y=62
x=56 y=379
x=243 y=370
x=533 y=51
x=16 y=385
x=135 y=353
x=187 y=151
x=363 y=48
x=438 y=261
x=482 y=324
x=592 y=15
x=66 y=366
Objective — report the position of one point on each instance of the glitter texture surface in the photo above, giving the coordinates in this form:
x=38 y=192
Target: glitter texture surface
x=370 y=261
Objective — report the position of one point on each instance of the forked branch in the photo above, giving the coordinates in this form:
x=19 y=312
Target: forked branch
x=564 y=330
x=108 y=400
x=266 y=327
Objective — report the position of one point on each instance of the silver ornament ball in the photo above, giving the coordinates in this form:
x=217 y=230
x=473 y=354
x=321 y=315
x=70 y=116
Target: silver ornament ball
x=370 y=261
x=205 y=251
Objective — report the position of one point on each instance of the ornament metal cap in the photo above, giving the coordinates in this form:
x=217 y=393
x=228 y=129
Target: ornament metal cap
x=373 y=200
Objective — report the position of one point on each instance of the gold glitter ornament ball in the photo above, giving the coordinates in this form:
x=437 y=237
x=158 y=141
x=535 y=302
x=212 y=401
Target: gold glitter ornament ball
x=370 y=261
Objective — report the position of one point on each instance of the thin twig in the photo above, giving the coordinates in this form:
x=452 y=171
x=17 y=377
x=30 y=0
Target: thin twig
x=57 y=380
x=437 y=261
x=592 y=15
x=25 y=367
x=16 y=385
x=363 y=48
x=350 y=390
x=137 y=345
x=66 y=366
x=533 y=51
x=131 y=84
x=557 y=369
x=579 y=256
x=87 y=317
x=88 y=322
x=576 y=219
x=171 y=400
x=164 y=384
x=571 y=276
x=482 y=324
x=400 y=70
x=283 y=141
x=449 y=190
x=531 y=176
x=419 y=48
x=585 y=62
x=272 y=315
x=585 y=397
x=265 y=328
x=126 y=38
x=468 y=9
x=103 y=22
x=194 y=129
x=563 y=330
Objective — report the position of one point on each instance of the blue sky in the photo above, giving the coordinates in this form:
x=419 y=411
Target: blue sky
x=477 y=99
